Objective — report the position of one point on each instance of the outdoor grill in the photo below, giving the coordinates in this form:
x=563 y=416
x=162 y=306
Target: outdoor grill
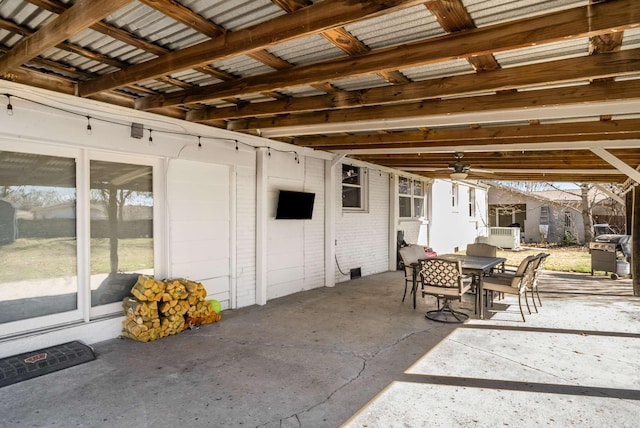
x=604 y=253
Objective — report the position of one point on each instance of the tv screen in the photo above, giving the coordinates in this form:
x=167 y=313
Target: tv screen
x=295 y=205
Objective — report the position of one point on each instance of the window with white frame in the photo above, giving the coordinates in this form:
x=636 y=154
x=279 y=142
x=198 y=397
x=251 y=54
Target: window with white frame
x=568 y=220
x=472 y=202
x=78 y=229
x=454 y=195
x=411 y=198
x=354 y=188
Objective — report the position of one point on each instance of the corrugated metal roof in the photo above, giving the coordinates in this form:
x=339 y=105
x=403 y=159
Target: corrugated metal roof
x=242 y=66
x=24 y=13
x=235 y=15
x=195 y=77
x=488 y=12
x=360 y=82
x=437 y=70
x=631 y=39
x=540 y=53
x=395 y=28
x=388 y=30
x=301 y=91
x=146 y=22
x=306 y=50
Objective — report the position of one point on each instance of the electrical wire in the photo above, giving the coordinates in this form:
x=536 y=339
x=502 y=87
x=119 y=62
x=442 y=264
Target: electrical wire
x=340 y=270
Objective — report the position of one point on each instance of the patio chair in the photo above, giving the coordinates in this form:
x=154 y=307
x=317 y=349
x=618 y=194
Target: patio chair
x=410 y=255
x=443 y=279
x=481 y=249
x=542 y=257
x=516 y=284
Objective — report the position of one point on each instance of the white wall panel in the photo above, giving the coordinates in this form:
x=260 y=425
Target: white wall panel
x=295 y=251
x=245 y=237
x=198 y=211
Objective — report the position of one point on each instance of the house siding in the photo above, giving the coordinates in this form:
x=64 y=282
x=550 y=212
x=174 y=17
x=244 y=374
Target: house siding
x=245 y=236
x=451 y=226
x=363 y=237
x=198 y=202
x=206 y=206
x=295 y=248
x=556 y=227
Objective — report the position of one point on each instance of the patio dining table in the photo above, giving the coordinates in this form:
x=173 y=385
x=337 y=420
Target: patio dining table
x=473 y=265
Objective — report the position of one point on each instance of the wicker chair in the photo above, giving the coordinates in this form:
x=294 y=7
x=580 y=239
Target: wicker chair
x=443 y=279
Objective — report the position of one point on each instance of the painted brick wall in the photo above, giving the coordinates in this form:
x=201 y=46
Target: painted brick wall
x=245 y=236
x=362 y=237
x=314 y=228
x=199 y=218
x=295 y=248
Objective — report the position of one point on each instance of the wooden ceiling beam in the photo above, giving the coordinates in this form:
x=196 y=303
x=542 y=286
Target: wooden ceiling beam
x=453 y=17
x=553 y=153
x=117 y=33
x=607 y=91
x=537 y=177
x=568 y=70
x=63 y=85
x=65 y=46
x=558 y=26
x=75 y=19
x=574 y=131
x=310 y=20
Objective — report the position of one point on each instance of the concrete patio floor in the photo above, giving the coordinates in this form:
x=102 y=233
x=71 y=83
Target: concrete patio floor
x=356 y=356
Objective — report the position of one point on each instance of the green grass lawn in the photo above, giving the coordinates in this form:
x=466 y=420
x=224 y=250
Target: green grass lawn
x=56 y=257
x=563 y=259
x=50 y=258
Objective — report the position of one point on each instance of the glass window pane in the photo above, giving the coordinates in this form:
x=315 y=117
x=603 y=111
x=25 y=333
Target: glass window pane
x=121 y=228
x=351 y=197
x=404 y=186
x=38 y=251
x=350 y=174
x=418 y=188
x=472 y=202
x=418 y=207
x=405 y=206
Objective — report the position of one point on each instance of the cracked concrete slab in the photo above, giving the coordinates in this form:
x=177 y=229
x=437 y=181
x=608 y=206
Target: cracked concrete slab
x=355 y=355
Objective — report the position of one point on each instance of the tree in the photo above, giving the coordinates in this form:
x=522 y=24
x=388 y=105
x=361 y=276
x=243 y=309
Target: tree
x=587 y=211
x=588 y=197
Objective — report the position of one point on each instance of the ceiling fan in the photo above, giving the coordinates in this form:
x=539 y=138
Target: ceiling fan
x=459 y=169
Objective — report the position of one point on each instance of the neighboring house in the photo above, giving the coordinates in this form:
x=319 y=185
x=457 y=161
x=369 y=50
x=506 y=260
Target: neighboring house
x=67 y=210
x=212 y=213
x=549 y=216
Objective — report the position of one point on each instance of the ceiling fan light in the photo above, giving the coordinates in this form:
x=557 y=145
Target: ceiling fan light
x=458 y=175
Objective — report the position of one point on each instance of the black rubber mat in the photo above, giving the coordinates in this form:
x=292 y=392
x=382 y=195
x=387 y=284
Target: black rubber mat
x=36 y=363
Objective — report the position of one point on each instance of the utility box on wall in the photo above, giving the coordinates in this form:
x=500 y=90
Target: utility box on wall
x=503 y=237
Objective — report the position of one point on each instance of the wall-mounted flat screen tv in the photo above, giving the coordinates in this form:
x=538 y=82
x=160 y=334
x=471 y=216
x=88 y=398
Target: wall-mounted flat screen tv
x=295 y=205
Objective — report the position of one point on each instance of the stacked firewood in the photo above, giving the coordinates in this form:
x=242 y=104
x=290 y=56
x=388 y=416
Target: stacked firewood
x=157 y=308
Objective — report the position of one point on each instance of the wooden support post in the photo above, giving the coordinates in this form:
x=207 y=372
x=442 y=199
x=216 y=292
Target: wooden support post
x=635 y=242
x=628 y=205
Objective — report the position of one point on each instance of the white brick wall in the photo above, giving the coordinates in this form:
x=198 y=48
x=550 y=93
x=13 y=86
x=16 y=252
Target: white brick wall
x=362 y=237
x=295 y=248
x=245 y=237
x=314 y=228
x=198 y=206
